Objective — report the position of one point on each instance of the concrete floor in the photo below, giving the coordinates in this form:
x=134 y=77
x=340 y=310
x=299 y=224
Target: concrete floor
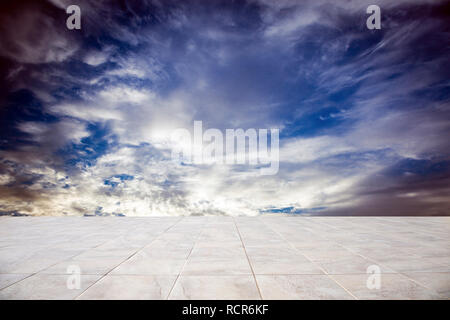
x=267 y=257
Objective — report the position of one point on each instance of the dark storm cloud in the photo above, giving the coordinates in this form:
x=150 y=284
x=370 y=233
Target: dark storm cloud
x=411 y=187
x=31 y=34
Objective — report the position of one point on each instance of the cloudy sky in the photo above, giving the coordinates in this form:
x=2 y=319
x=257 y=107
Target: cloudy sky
x=86 y=115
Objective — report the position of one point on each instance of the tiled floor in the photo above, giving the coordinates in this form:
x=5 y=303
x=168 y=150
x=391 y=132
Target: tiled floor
x=266 y=257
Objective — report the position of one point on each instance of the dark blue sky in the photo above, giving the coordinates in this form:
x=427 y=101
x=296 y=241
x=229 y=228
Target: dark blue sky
x=86 y=115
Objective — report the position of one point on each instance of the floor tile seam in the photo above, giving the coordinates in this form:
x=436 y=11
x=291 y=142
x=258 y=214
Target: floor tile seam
x=186 y=261
x=423 y=285
x=139 y=249
x=248 y=260
x=316 y=265
x=52 y=265
x=396 y=237
x=383 y=265
x=70 y=257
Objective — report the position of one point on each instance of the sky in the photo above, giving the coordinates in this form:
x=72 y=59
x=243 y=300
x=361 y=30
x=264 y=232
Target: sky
x=86 y=115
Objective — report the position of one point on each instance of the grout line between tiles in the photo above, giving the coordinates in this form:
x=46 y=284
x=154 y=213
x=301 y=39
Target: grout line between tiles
x=248 y=260
x=139 y=249
x=382 y=264
x=318 y=266
x=54 y=264
x=185 y=262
